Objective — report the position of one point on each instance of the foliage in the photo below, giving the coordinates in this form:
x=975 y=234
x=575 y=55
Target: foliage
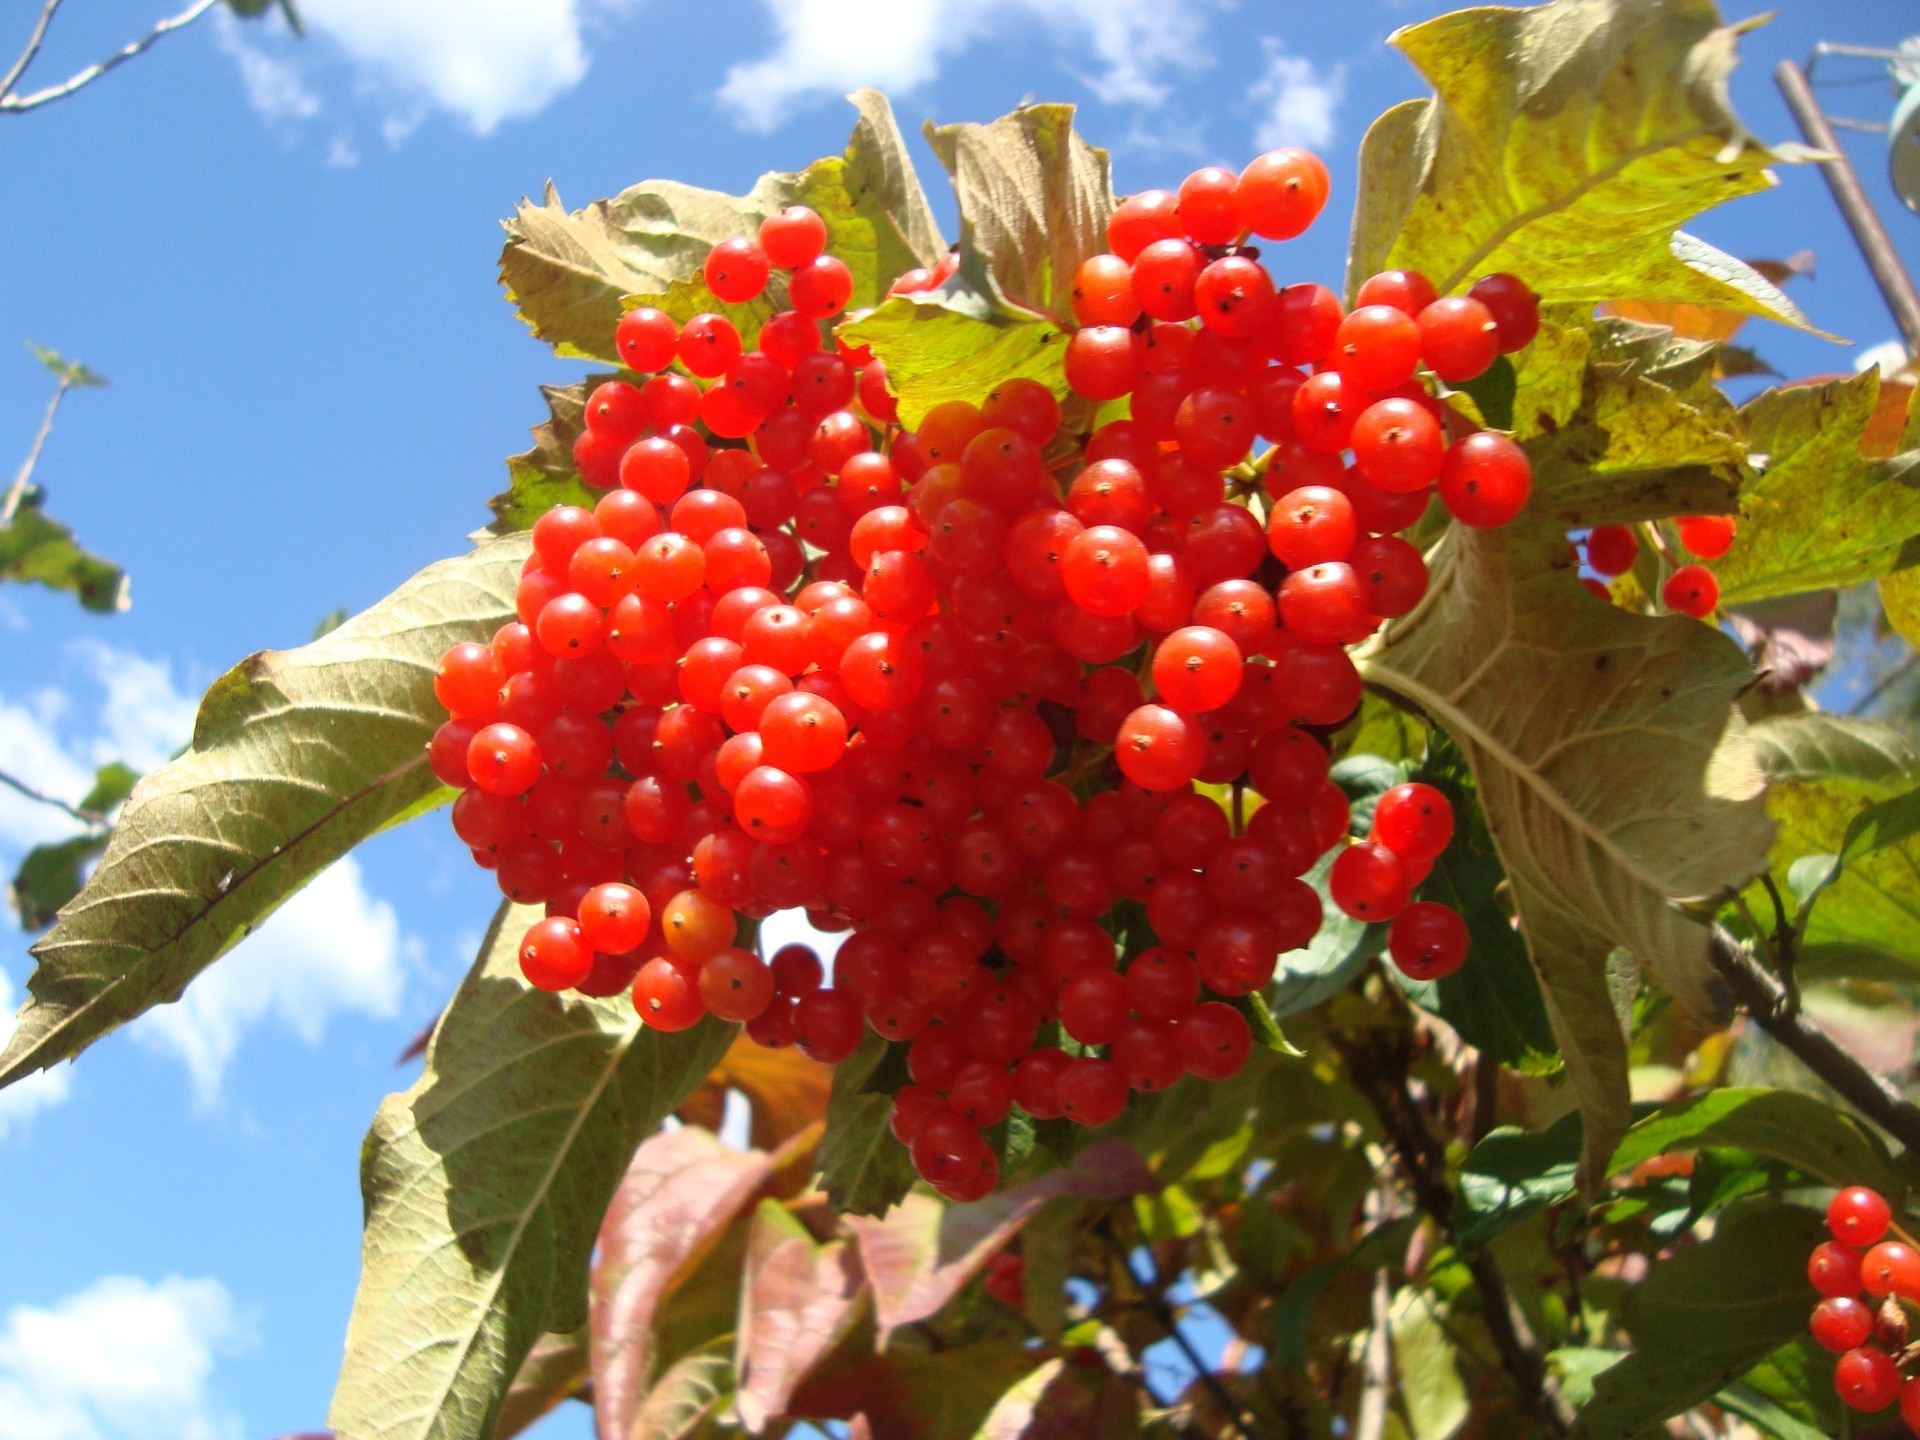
x=1453 y=1175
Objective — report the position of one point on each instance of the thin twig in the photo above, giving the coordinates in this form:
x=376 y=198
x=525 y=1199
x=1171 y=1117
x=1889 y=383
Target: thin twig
x=34 y=41
x=1156 y=1303
x=1885 y=683
x=17 y=492
x=1764 y=998
x=1376 y=1365
x=87 y=817
x=10 y=101
x=1378 y=1064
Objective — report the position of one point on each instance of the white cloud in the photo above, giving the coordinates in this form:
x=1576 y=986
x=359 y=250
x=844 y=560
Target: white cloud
x=274 y=86
x=332 y=948
x=826 y=47
x=1297 y=101
x=120 y=1360
x=42 y=1090
x=482 y=61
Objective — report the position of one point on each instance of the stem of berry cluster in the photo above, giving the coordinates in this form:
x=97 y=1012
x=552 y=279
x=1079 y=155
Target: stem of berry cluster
x=1771 y=1005
x=1379 y=1064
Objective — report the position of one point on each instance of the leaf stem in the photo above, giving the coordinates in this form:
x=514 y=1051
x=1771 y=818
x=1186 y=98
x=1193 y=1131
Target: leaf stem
x=92 y=819
x=1770 y=1005
x=34 y=42
x=9 y=101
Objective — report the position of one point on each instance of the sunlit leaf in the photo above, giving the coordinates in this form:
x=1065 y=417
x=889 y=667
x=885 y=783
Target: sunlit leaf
x=37 y=549
x=1806 y=1132
x=297 y=756
x=797 y=1298
x=485 y=1184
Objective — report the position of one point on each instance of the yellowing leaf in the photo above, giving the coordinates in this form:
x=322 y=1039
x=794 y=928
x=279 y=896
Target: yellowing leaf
x=1565 y=144
x=297 y=756
x=1614 y=772
x=567 y=273
x=786 y=1089
x=1821 y=514
x=484 y=1186
x=957 y=344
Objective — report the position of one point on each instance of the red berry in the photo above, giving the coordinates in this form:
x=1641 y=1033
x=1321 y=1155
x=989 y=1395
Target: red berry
x=1867 y=1379
x=1858 y=1216
x=1841 y=1323
x=1691 y=590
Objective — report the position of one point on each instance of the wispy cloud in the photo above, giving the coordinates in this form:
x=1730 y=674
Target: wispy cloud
x=1297 y=101
x=825 y=47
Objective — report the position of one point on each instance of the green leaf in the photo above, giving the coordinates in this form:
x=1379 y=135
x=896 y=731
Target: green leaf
x=1339 y=950
x=797 y=1298
x=1513 y=1175
x=1812 y=1136
x=1705 y=1316
x=1818 y=746
x=690 y=1399
x=543 y=477
x=1266 y=1029
x=485 y=1184
x=1427 y=1366
x=1821 y=514
x=37 y=549
x=1621 y=422
x=1750 y=1405
x=863 y=1169
x=553 y=1371
x=1552 y=696
x=567 y=274
x=297 y=756
x=50 y=876
x=1034 y=200
x=1288 y=1319
x=71 y=372
x=1493 y=393
x=1494 y=1002
x=1565 y=144
x=682 y=1189
x=958 y=343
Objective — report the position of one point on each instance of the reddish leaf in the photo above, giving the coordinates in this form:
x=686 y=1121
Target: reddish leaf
x=554 y=1370
x=679 y=1195
x=923 y=1251
x=786 y=1090
x=798 y=1298
x=908 y=1394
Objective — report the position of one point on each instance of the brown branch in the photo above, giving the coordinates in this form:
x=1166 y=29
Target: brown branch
x=12 y=102
x=1772 y=1007
x=1376 y=1365
x=1378 y=1064
x=93 y=819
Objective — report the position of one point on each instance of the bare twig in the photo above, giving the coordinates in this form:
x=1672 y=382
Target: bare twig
x=34 y=42
x=91 y=818
x=12 y=102
x=1157 y=1306
x=17 y=491
x=1378 y=1063
x=1376 y=1365
x=1771 y=1005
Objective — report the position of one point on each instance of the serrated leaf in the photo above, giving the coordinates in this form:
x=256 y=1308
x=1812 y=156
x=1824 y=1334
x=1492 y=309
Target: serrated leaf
x=1512 y=1175
x=485 y=1184
x=958 y=343
x=1821 y=514
x=553 y=1372
x=1804 y=1131
x=1552 y=696
x=689 y=1399
x=863 y=1168
x=1621 y=423
x=1565 y=144
x=1034 y=200
x=567 y=274
x=37 y=549
x=543 y=477
x=925 y=1250
x=797 y=1298
x=297 y=756
x=682 y=1189
x=1705 y=1316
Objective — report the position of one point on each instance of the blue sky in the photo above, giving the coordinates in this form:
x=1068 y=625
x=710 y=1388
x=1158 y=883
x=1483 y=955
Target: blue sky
x=283 y=256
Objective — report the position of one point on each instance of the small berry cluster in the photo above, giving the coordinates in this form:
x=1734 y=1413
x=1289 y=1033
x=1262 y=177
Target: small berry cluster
x=1871 y=1341
x=1691 y=589
x=797 y=656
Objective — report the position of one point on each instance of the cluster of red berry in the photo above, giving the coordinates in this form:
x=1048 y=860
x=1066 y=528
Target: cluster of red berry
x=1871 y=1341
x=1690 y=589
x=797 y=656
